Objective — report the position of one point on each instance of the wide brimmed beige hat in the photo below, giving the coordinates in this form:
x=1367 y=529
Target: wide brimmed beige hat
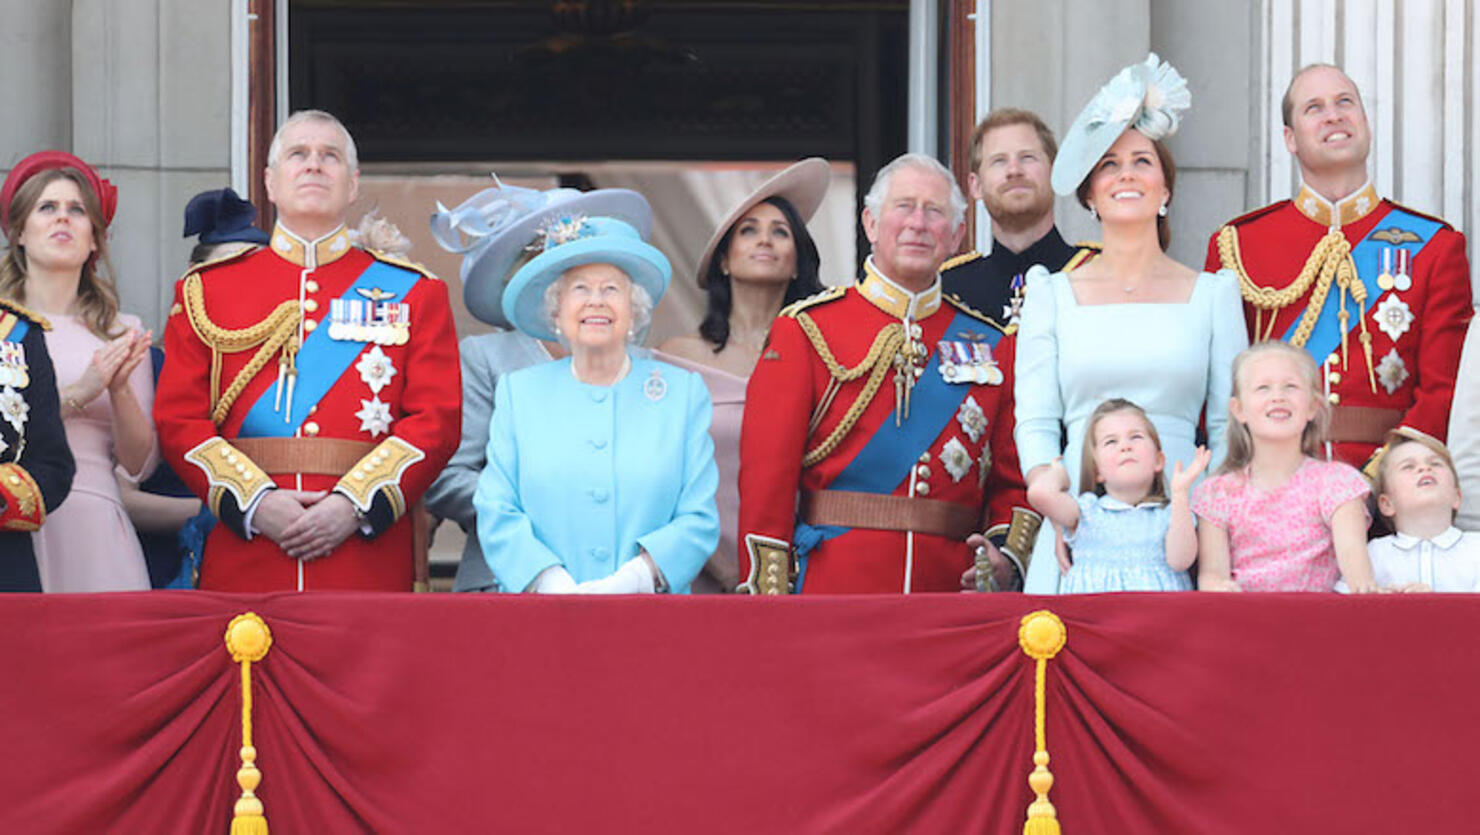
x=803 y=184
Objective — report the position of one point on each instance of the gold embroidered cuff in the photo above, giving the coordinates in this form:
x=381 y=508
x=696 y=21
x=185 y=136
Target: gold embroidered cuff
x=26 y=510
x=380 y=471
x=1018 y=537
x=229 y=471
x=772 y=567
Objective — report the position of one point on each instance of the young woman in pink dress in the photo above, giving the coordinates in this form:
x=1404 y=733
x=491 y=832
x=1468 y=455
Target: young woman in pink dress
x=105 y=385
x=759 y=259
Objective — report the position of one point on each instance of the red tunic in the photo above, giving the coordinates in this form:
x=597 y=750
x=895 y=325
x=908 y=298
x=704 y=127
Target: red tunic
x=423 y=397
x=787 y=385
x=1275 y=242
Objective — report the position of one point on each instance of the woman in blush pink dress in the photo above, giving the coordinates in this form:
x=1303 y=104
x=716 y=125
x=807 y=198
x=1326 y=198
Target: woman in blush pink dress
x=61 y=216
x=759 y=259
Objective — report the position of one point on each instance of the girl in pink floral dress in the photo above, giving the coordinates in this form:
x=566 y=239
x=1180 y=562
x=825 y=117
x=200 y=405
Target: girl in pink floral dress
x=1275 y=517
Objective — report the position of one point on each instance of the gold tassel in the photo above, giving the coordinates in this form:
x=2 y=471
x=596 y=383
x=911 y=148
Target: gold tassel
x=1041 y=635
x=248 y=639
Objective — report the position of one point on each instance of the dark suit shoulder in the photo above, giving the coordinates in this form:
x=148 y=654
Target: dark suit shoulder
x=955 y=301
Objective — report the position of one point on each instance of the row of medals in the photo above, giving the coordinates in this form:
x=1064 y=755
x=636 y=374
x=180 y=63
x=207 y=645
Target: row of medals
x=1400 y=280
x=13 y=369
x=352 y=320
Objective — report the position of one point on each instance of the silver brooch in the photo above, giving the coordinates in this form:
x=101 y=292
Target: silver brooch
x=655 y=388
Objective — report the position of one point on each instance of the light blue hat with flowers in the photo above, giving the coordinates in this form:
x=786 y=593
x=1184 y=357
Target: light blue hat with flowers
x=1149 y=96
x=494 y=227
x=573 y=240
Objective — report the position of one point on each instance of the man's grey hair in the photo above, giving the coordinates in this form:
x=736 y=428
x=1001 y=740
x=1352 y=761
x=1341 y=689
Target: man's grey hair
x=642 y=308
x=351 y=154
x=874 y=200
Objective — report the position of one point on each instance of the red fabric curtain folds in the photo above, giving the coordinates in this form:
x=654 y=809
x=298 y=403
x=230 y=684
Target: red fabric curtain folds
x=447 y=714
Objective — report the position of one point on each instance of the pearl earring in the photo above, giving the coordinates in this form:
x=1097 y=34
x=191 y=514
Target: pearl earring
x=1092 y=213
x=1163 y=210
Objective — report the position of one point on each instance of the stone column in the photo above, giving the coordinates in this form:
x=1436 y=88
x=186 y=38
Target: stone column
x=151 y=107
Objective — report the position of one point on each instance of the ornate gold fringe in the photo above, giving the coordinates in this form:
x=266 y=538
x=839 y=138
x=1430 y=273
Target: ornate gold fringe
x=248 y=639
x=1041 y=635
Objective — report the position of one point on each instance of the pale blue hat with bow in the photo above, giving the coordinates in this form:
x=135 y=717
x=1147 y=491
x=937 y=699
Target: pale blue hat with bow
x=494 y=227
x=1149 y=96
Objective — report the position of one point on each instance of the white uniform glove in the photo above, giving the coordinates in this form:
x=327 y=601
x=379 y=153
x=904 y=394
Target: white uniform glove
x=633 y=577
x=554 y=580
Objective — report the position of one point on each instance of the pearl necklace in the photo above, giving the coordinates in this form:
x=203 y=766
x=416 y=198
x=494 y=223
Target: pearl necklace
x=626 y=367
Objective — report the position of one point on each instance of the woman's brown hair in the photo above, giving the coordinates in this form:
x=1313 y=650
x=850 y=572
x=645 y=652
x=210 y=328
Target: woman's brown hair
x=1168 y=173
x=97 y=296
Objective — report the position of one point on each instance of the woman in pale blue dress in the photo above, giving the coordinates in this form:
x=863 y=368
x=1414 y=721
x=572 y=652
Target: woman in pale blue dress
x=1131 y=323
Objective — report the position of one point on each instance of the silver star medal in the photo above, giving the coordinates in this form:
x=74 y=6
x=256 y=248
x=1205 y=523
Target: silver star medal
x=14 y=409
x=956 y=458
x=1393 y=316
x=972 y=419
x=655 y=388
x=1391 y=371
x=376 y=369
x=375 y=416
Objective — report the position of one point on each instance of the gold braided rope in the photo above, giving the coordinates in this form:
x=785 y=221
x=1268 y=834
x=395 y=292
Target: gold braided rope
x=876 y=363
x=278 y=331
x=1331 y=259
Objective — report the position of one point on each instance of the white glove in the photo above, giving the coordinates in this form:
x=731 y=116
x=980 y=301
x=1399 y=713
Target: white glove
x=633 y=577
x=554 y=580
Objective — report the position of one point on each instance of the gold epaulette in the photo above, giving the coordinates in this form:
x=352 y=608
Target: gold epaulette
x=813 y=300
x=963 y=258
x=402 y=262
x=25 y=313
x=956 y=302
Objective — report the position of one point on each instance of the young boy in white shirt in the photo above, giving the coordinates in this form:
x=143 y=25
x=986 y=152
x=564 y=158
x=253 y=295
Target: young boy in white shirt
x=1417 y=490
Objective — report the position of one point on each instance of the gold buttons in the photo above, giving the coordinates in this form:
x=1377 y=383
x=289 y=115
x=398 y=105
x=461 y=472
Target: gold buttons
x=358 y=476
x=1334 y=377
x=922 y=471
x=311 y=286
x=924 y=458
x=241 y=469
x=1334 y=398
x=1334 y=359
x=310 y=305
x=15 y=479
x=310 y=429
x=922 y=489
x=310 y=324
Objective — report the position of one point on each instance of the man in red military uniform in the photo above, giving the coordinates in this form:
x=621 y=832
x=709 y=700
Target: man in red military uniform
x=311 y=389
x=877 y=447
x=1378 y=293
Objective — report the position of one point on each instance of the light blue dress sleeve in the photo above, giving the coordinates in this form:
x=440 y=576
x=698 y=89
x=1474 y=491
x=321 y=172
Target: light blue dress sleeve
x=1039 y=406
x=682 y=546
x=513 y=552
x=1230 y=336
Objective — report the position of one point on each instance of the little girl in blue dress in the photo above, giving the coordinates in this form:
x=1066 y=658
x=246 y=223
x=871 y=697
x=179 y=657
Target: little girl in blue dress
x=1127 y=534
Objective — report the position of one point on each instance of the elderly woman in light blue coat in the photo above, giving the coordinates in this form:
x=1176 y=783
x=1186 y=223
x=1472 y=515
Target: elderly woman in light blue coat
x=601 y=472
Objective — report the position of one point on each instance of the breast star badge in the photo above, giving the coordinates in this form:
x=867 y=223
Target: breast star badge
x=375 y=416
x=1391 y=371
x=1393 y=317
x=972 y=419
x=376 y=369
x=956 y=458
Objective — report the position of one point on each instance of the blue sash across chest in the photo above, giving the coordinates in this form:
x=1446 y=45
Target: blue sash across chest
x=1367 y=256
x=322 y=360
x=886 y=459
